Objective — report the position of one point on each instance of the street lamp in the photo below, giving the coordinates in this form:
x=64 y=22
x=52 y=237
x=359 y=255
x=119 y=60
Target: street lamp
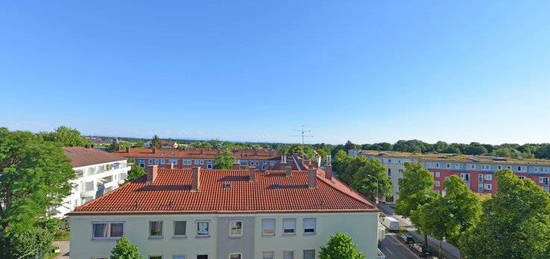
x=376 y=179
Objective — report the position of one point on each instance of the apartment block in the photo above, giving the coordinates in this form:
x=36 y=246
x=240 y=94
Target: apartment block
x=478 y=172
x=231 y=214
x=176 y=158
x=97 y=173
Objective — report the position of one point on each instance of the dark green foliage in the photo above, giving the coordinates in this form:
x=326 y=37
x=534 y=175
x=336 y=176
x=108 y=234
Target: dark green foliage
x=515 y=223
x=30 y=243
x=124 y=249
x=155 y=142
x=224 y=160
x=66 y=137
x=340 y=246
x=34 y=178
x=135 y=172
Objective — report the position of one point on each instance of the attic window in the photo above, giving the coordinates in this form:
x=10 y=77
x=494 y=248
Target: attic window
x=226 y=185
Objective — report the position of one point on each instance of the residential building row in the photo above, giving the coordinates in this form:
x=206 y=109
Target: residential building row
x=194 y=213
x=176 y=158
x=97 y=173
x=478 y=172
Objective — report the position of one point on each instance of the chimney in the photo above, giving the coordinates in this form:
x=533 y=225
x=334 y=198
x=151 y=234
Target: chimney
x=171 y=165
x=328 y=172
x=312 y=179
x=252 y=174
x=154 y=150
x=152 y=171
x=288 y=171
x=196 y=179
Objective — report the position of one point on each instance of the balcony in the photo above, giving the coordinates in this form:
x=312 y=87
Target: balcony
x=88 y=194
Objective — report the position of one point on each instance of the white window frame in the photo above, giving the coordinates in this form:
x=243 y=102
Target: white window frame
x=180 y=235
x=304 y=253
x=202 y=234
x=234 y=223
x=437 y=183
x=488 y=177
x=288 y=253
x=238 y=254
x=285 y=220
x=542 y=180
x=161 y=229
x=108 y=229
x=264 y=233
x=187 y=162
x=438 y=174
x=488 y=186
x=314 y=220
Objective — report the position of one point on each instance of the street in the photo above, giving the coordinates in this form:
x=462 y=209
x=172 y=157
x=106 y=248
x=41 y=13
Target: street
x=393 y=248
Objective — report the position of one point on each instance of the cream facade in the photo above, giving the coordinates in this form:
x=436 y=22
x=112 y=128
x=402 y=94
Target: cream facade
x=260 y=235
x=92 y=182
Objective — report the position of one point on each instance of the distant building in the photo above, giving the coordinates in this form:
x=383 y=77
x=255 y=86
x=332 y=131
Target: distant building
x=476 y=171
x=228 y=214
x=97 y=173
x=261 y=159
x=163 y=143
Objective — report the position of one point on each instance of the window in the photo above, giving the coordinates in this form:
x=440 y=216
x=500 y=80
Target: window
x=488 y=186
x=155 y=228
x=437 y=183
x=173 y=161
x=197 y=161
x=521 y=177
x=289 y=226
x=107 y=230
x=309 y=226
x=519 y=168
x=180 y=228
x=178 y=257
x=155 y=257
x=187 y=161
x=465 y=177
x=235 y=256
x=89 y=186
x=202 y=256
x=202 y=228
x=543 y=180
x=309 y=254
x=437 y=165
x=288 y=254
x=268 y=255
x=389 y=171
x=488 y=177
x=448 y=165
x=236 y=228
x=268 y=227
x=437 y=174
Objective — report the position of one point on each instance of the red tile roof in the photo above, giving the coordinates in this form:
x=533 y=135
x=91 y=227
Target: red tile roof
x=81 y=156
x=271 y=191
x=196 y=153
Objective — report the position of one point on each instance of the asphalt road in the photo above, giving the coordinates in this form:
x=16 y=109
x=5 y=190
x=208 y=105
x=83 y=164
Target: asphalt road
x=395 y=249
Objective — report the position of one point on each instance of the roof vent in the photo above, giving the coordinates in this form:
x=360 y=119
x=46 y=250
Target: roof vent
x=227 y=185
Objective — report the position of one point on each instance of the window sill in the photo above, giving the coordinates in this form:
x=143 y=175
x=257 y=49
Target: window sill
x=156 y=238
x=289 y=234
x=202 y=236
x=310 y=234
x=179 y=237
x=268 y=235
x=236 y=237
x=105 y=239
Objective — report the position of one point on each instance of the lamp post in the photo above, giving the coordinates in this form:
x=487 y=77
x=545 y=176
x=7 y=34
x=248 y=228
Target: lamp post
x=375 y=179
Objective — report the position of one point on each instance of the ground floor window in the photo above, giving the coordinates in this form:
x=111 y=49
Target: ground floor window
x=309 y=254
x=235 y=256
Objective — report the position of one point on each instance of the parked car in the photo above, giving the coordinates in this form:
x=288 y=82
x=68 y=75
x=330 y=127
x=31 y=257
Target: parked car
x=407 y=238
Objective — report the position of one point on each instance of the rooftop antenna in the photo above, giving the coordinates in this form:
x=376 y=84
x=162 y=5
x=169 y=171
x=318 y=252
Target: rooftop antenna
x=303 y=133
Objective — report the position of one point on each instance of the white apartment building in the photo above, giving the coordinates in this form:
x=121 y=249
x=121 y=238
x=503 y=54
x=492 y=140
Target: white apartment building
x=229 y=214
x=97 y=173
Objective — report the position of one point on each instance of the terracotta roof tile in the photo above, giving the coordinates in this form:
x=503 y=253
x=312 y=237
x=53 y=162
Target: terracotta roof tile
x=81 y=156
x=271 y=191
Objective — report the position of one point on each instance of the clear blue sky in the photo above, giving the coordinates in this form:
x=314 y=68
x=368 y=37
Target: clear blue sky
x=367 y=71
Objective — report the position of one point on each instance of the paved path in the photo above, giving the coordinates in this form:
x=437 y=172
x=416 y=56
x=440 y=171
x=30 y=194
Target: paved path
x=395 y=249
x=64 y=247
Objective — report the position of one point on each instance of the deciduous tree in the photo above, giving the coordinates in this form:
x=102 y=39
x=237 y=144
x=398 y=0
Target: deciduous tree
x=224 y=160
x=340 y=246
x=124 y=249
x=66 y=136
x=515 y=223
x=135 y=172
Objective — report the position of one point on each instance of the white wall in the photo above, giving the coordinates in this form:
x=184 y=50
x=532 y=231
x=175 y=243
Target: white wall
x=362 y=227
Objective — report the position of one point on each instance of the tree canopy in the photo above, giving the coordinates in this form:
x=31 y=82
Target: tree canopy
x=340 y=246
x=124 y=249
x=65 y=136
x=135 y=172
x=34 y=177
x=451 y=215
x=515 y=222
x=155 y=142
x=224 y=160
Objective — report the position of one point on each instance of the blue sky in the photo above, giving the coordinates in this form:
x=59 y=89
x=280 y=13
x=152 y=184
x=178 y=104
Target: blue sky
x=367 y=71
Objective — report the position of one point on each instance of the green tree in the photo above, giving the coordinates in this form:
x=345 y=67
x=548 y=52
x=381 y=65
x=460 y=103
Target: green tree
x=515 y=222
x=118 y=145
x=340 y=246
x=451 y=215
x=371 y=180
x=31 y=243
x=155 y=142
x=135 y=172
x=415 y=190
x=34 y=179
x=224 y=160
x=66 y=136
x=124 y=249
